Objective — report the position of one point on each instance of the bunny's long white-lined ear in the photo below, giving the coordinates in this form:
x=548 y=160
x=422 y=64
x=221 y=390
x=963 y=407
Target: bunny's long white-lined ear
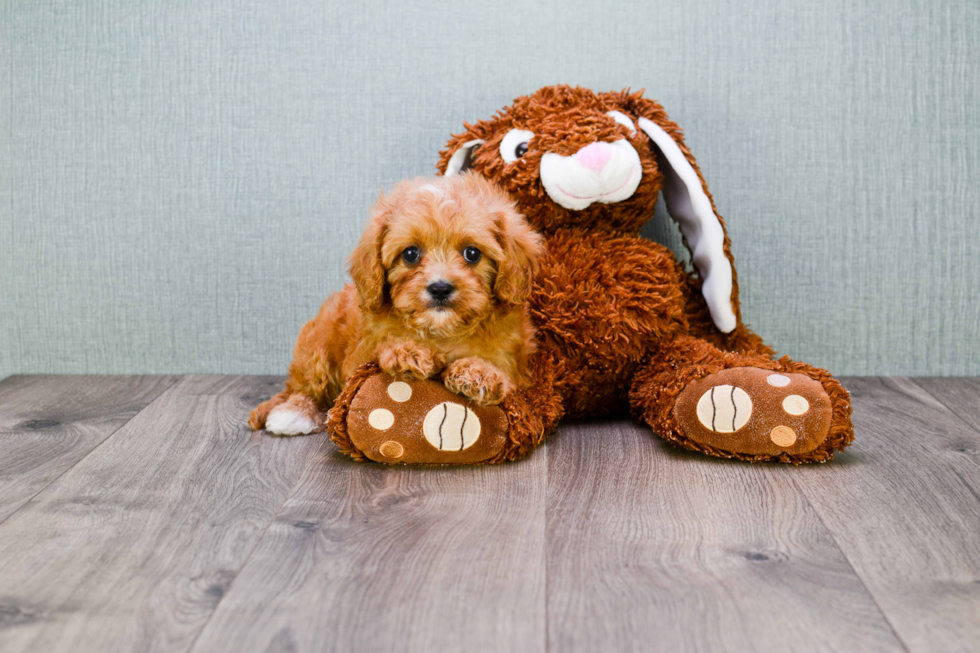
x=690 y=207
x=460 y=160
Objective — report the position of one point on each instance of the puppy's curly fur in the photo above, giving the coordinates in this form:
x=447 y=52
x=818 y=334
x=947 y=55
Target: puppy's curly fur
x=441 y=276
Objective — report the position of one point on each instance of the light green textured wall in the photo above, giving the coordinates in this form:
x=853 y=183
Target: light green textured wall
x=181 y=180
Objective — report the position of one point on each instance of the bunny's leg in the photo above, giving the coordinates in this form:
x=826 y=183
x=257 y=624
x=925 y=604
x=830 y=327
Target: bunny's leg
x=742 y=405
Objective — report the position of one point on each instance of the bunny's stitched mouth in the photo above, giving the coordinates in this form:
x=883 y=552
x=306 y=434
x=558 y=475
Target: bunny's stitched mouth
x=600 y=195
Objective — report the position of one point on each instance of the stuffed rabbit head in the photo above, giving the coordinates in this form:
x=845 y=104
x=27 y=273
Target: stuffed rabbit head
x=572 y=158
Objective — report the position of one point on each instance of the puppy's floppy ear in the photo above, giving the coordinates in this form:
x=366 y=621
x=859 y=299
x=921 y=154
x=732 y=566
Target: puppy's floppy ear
x=691 y=206
x=366 y=268
x=522 y=247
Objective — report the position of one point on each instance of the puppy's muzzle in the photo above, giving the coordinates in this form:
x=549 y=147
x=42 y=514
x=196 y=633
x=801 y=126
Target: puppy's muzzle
x=440 y=292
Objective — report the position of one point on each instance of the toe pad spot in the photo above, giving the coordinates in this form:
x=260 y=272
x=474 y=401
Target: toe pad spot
x=724 y=409
x=783 y=436
x=400 y=391
x=778 y=380
x=381 y=419
x=451 y=427
x=796 y=405
x=391 y=449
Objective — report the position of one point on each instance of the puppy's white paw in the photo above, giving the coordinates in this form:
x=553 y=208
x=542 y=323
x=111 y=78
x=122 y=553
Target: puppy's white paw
x=289 y=420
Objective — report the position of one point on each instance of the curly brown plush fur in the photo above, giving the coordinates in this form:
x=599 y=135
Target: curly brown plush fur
x=628 y=323
x=622 y=325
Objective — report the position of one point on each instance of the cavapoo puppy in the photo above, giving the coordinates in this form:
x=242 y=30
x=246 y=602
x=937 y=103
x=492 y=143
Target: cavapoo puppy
x=440 y=279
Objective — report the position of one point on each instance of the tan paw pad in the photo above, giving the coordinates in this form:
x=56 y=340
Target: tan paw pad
x=796 y=405
x=381 y=419
x=778 y=380
x=399 y=391
x=783 y=436
x=451 y=427
x=391 y=449
x=724 y=409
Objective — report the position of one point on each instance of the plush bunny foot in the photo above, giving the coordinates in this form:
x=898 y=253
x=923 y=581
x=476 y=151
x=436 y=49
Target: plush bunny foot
x=742 y=405
x=395 y=420
x=755 y=412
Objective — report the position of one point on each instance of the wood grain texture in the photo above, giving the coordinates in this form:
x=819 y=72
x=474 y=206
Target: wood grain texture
x=903 y=503
x=133 y=547
x=49 y=423
x=184 y=531
x=655 y=549
x=371 y=558
x=960 y=395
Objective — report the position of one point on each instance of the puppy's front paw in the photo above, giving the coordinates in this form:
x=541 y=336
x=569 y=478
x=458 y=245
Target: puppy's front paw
x=477 y=379
x=410 y=359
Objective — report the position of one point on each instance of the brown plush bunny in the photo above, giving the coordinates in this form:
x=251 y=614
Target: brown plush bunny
x=621 y=325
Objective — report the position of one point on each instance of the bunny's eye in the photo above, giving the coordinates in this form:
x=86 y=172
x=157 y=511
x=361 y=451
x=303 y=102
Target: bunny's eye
x=515 y=144
x=411 y=254
x=471 y=254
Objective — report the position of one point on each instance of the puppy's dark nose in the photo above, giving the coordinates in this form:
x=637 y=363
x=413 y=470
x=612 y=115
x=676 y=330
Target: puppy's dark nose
x=440 y=290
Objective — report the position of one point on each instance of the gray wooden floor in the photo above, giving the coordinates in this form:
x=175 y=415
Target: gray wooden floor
x=140 y=514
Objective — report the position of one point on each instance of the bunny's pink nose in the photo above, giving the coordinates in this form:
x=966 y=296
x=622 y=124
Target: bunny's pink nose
x=594 y=156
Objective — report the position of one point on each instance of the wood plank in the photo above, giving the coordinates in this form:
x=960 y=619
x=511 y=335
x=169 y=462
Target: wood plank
x=133 y=547
x=904 y=504
x=365 y=557
x=651 y=548
x=49 y=423
x=960 y=395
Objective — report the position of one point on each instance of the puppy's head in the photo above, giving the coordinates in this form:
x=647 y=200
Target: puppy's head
x=442 y=253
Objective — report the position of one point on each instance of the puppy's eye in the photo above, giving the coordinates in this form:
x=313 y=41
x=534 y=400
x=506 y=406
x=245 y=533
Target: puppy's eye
x=411 y=254
x=515 y=144
x=471 y=254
